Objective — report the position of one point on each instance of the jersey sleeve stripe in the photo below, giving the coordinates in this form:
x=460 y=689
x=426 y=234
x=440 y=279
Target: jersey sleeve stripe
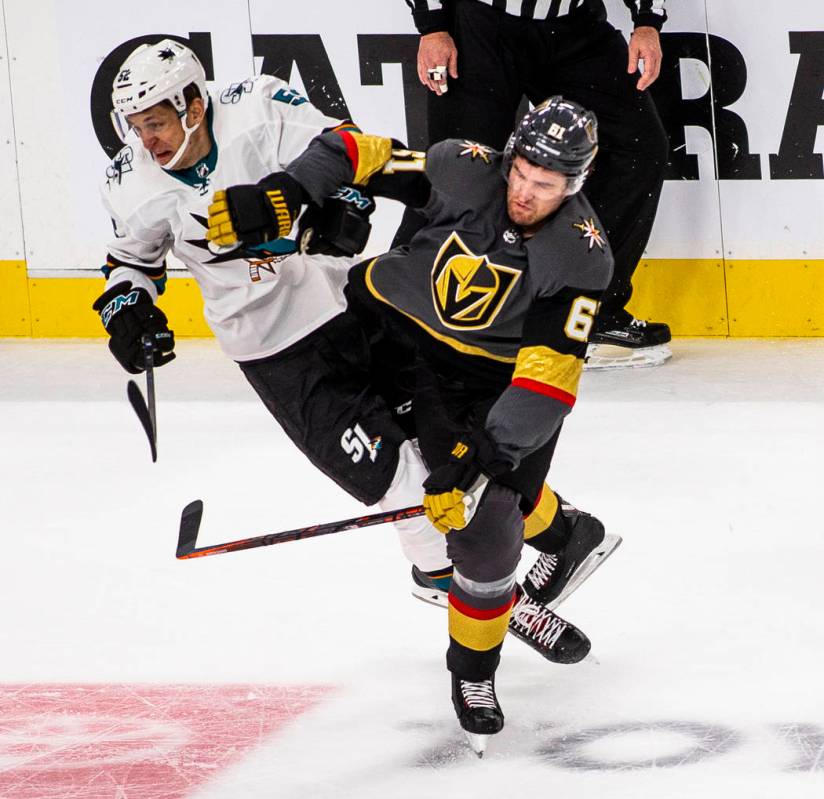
x=547 y=391
x=548 y=372
x=351 y=148
x=367 y=154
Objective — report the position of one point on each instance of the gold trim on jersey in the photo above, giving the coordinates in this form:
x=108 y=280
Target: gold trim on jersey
x=548 y=367
x=373 y=153
x=466 y=349
x=468 y=290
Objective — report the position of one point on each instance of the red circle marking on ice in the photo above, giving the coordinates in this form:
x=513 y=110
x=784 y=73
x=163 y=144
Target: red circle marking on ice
x=152 y=741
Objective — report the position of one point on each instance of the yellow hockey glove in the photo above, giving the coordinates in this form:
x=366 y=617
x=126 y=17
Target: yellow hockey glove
x=254 y=214
x=454 y=489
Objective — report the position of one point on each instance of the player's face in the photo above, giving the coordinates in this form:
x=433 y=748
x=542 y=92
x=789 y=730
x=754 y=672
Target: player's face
x=533 y=193
x=160 y=130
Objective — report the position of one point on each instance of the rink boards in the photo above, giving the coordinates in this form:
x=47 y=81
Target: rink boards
x=737 y=248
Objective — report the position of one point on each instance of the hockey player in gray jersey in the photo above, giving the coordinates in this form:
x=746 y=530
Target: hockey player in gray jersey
x=498 y=292
x=278 y=311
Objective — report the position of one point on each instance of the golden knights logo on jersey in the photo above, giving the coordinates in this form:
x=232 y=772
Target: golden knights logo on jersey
x=467 y=289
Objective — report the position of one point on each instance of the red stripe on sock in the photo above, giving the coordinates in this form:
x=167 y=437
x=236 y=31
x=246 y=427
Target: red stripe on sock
x=478 y=613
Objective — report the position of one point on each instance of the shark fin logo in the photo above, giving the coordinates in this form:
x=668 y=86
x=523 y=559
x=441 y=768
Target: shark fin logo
x=467 y=289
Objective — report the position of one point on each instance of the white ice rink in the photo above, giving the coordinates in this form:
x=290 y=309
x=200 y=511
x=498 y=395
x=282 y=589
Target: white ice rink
x=306 y=670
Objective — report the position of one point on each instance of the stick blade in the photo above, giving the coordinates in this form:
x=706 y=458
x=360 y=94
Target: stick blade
x=189 y=528
x=139 y=404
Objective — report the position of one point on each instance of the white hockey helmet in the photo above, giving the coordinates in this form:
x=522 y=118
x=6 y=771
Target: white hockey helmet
x=151 y=74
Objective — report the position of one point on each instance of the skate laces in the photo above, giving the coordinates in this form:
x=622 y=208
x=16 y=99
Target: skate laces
x=541 y=625
x=478 y=694
x=542 y=570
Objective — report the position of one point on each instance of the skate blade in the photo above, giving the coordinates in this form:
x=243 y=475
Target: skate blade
x=609 y=356
x=477 y=742
x=590 y=563
x=432 y=596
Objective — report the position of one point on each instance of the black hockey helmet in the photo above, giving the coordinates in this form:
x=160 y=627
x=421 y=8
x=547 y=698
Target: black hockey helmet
x=558 y=134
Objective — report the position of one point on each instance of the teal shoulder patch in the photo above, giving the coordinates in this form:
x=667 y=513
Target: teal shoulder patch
x=289 y=96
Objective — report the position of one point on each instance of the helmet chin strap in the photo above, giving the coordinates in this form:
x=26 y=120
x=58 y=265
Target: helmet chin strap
x=187 y=134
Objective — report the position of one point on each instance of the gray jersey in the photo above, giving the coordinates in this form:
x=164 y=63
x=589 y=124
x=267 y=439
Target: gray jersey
x=480 y=297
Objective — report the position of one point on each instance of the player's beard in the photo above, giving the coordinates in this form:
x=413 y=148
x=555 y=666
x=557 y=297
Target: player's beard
x=530 y=215
x=522 y=215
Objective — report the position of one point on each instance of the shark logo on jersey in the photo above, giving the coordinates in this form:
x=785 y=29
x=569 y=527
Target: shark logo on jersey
x=121 y=164
x=233 y=93
x=289 y=96
x=468 y=290
x=261 y=261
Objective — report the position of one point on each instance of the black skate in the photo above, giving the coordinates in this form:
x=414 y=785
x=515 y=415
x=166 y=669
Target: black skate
x=557 y=640
x=642 y=343
x=479 y=713
x=624 y=330
x=553 y=577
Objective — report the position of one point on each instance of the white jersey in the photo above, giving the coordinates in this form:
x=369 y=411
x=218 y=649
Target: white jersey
x=255 y=307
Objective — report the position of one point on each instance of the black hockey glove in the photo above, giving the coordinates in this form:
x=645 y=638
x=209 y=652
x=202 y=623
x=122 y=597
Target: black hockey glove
x=340 y=227
x=128 y=313
x=453 y=490
x=253 y=214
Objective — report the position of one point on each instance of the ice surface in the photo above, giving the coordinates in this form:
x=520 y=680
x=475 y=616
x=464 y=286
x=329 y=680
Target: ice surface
x=706 y=622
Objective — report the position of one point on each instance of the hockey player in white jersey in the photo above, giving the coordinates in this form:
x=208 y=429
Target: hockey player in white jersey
x=279 y=312
x=260 y=301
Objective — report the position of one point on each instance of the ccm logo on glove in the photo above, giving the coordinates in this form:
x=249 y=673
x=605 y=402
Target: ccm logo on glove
x=128 y=313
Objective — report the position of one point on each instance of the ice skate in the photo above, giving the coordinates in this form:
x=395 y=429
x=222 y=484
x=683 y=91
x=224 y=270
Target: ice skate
x=546 y=632
x=552 y=637
x=553 y=577
x=620 y=341
x=479 y=713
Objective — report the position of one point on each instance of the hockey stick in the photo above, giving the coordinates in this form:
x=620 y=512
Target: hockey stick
x=193 y=512
x=146 y=414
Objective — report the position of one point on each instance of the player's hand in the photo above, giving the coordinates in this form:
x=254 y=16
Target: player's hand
x=645 y=45
x=437 y=60
x=453 y=490
x=128 y=314
x=340 y=227
x=253 y=214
